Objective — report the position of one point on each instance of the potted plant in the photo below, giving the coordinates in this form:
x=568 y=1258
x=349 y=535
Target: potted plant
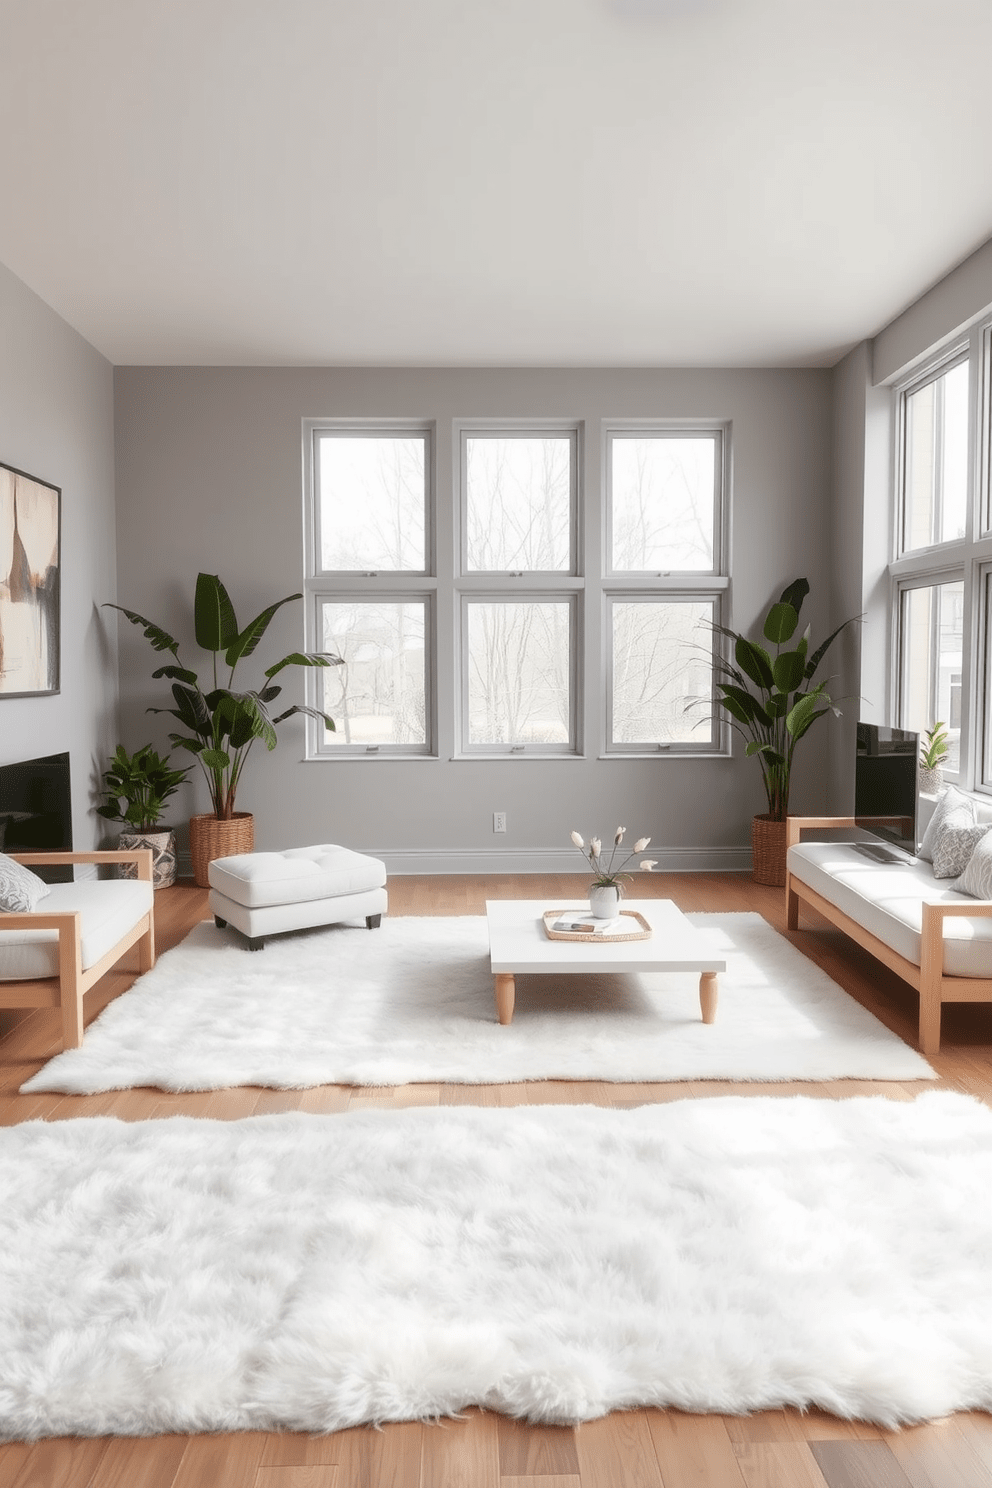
x=772 y=701
x=137 y=787
x=219 y=723
x=933 y=753
x=606 y=889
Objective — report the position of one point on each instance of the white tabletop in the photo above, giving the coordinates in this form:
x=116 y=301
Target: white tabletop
x=518 y=942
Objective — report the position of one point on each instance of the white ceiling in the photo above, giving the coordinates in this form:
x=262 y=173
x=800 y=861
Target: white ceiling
x=490 y=182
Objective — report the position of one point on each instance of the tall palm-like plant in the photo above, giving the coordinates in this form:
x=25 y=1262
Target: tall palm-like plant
x=772 y=700
x=220 y=725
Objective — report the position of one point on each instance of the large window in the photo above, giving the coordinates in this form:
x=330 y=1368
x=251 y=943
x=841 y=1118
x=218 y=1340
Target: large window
x=943 y=555
x=931 y=627
x=518 y=504
x=370 y=501
x=665 y=508
x=538 y=611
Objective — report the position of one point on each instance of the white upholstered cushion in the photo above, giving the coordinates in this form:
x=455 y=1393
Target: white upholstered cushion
x=887 y=898
x=109 y=909
x=258 y=880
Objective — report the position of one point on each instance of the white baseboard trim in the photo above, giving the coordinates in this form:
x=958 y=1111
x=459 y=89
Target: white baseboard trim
x=404 y=860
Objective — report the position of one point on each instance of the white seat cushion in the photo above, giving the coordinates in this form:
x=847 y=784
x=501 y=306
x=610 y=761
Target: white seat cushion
x=887 y=898
x=109 y=909
x=296 y=876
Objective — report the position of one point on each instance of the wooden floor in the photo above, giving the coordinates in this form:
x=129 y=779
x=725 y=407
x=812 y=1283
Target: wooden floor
x=642 y=1449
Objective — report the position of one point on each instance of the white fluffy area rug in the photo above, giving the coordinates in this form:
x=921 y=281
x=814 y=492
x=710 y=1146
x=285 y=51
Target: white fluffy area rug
x=413 y=1001
x=552 y=1263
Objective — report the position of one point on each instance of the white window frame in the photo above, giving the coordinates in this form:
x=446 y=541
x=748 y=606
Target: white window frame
x=690 y=584
x=492 y=595
x=446 y=588
x=669 y=429
x=519 y=429
x=709 y=745
x=967 y=559
x=520 y=585
x=407 y=585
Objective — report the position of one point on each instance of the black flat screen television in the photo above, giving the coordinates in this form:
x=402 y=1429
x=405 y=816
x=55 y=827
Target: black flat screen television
x=36 y=810
x=885 y=784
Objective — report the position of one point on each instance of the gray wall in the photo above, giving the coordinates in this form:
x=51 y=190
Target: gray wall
x=209 y=476
x=951 y=304
x=56 y=422
x=860 y=533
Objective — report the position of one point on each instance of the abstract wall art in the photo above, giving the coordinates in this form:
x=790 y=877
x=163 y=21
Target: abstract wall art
x=30 y=564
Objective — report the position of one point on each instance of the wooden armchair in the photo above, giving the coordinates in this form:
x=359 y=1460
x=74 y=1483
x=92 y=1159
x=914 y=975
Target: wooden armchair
x=72 y=910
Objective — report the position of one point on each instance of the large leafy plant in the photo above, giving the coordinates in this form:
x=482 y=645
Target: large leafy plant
x=219 y=725
x=772 y=699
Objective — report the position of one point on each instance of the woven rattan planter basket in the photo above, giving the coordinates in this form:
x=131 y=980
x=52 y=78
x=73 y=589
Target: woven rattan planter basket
x=212 y=837
x=768 y=851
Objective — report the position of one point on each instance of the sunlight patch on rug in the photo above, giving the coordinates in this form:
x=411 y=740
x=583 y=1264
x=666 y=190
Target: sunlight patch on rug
x=413 y=1001
x=553 y=1263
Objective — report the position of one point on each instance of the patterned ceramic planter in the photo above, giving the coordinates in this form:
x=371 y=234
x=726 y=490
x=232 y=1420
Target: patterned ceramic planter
x=163 y=850
x=931 y=780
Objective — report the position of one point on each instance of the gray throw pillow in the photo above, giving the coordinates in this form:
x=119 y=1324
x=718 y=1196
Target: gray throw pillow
x=955 y=845
x=976 y=879
x=951 y=800
x=20 y=889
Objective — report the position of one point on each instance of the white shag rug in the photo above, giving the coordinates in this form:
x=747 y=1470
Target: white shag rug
x=551 y=1263
x=413 y=1001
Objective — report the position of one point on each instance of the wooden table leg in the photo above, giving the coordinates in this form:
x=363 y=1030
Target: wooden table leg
x=504 y=996
x=707 y=996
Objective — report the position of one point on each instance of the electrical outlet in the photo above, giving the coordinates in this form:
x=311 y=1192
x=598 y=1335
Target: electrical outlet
x=499 y=821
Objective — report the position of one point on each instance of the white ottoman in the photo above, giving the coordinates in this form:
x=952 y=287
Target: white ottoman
x=265 y=893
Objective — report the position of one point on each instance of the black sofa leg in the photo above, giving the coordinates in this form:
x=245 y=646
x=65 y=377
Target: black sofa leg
x=221 y=924
x=255 y=942
x=372 y=922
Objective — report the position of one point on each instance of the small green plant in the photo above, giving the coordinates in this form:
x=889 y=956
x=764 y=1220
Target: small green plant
x=137 y=787
x=934 y=750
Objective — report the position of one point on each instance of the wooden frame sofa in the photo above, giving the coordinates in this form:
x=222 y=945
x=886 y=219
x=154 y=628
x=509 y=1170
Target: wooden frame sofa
x=94 y=923
x=907 y=920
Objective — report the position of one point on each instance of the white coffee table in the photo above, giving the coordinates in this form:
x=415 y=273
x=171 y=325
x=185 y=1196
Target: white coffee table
x=518 y=943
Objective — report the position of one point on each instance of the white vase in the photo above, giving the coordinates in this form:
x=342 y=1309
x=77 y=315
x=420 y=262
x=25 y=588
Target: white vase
x=604 y=901
x=931 y=780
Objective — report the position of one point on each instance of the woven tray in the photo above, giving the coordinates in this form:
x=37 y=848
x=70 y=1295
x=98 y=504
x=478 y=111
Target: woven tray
x=589 y=936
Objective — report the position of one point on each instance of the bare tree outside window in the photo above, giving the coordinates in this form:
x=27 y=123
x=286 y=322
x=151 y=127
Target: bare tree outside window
x=372 y=502
x=660 y=662
x=662 y=502
x=378 y=696
x=519 y=673
x=518 y=503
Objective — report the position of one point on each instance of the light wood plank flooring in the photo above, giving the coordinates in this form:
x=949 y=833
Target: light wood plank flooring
x=649 y=1449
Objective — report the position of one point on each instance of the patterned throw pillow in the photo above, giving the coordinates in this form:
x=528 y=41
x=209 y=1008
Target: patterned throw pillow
x=955 y=845
x=976 y=879
x=20 y=889
x=951 y=800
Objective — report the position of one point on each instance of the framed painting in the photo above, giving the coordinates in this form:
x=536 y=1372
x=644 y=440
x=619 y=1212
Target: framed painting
x=30 y=573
